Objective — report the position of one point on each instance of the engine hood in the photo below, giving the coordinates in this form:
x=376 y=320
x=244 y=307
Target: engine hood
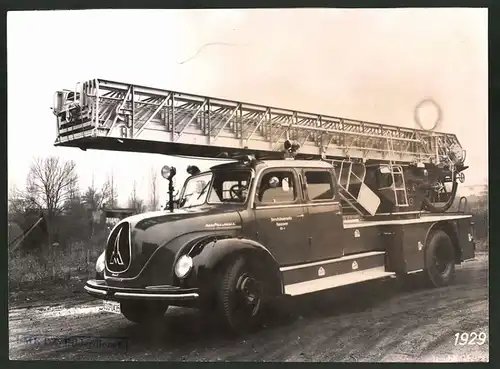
x=162 y=233
x=197 y=217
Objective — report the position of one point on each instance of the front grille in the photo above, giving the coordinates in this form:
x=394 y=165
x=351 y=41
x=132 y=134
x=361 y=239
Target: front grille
x=118 y=250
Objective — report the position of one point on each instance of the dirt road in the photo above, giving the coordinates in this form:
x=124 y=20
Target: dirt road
x=377 y=321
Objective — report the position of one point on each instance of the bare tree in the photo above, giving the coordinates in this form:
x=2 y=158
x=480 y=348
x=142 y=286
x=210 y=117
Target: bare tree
x=95 y=198
x=17 y=201
x=92 y=198
x=74 y=199
x=50 y=183
x=135 y=202
x=109 y=192
x=153 y=203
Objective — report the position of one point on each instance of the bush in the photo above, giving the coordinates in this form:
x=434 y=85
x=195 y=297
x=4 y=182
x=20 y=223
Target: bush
x=477 y=205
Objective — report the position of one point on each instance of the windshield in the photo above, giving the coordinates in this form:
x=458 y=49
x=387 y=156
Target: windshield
x=216 y=187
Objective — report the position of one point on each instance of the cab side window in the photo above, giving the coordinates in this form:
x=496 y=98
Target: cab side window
x=277 y=187
x=319 y=184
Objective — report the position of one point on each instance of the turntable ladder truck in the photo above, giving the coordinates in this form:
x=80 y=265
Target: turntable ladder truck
x=350 y=200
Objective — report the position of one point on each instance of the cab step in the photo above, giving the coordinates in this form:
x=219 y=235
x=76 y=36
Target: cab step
x=321 y=275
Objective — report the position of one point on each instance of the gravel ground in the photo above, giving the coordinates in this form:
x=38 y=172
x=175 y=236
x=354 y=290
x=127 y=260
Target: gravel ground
x=376 y=321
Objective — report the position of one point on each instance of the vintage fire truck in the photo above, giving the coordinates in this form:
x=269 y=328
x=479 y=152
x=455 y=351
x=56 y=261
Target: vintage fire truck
x=306 y=202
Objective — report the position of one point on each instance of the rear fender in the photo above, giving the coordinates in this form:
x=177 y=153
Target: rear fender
x=451 y=229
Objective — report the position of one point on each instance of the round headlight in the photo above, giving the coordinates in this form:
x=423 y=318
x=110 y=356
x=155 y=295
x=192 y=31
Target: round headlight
x=183 y=266
x=99 y=265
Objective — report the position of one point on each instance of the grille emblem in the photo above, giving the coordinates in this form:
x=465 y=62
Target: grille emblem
x=116 y=257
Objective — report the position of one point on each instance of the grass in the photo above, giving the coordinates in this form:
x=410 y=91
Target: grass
x=482 y=245
x=75 y=261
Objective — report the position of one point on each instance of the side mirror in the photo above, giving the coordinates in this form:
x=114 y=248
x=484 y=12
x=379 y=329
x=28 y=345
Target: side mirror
x=193 y=170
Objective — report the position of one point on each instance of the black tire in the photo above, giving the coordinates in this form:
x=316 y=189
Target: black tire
x=439 y=260
x=241 y=297
x=143 y=312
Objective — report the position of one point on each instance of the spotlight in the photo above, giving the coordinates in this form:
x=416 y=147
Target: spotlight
x=168 y=172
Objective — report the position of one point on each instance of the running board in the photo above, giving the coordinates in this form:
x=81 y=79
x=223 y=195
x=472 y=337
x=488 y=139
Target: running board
x=321 y=275
x=336 y=281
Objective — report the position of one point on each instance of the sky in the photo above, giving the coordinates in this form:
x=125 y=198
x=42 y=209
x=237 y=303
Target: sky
x=373 y=65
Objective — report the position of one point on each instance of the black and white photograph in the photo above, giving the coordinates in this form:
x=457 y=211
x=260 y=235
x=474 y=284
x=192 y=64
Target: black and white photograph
x=285 y=185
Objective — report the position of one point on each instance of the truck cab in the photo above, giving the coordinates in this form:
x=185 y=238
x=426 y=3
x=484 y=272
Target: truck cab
x=252 y=230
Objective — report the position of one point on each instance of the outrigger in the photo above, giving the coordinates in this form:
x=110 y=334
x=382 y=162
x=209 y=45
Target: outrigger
x=306 y=202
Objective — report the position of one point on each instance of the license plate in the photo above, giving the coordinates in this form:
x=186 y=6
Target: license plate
x=111 y=307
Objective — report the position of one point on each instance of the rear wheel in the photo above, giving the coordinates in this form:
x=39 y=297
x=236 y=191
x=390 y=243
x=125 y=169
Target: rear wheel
x=143 y=312
x=241 y=295
x=439 y=260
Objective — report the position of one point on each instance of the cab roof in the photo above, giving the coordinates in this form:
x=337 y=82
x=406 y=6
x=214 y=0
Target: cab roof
x=281 y=163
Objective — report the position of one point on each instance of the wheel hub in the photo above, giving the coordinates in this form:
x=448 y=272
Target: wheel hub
x=249 y=291
x=441 y=260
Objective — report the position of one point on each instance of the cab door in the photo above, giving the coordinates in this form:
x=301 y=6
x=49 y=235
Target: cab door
x=323 y=214
x=279 y=215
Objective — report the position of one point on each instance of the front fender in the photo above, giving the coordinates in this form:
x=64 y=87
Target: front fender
x=211 y=253
x=157 y=266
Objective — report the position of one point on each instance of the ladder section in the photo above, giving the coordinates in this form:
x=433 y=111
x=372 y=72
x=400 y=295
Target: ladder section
x=398 y=184
x=356 y=194
x=104 y=111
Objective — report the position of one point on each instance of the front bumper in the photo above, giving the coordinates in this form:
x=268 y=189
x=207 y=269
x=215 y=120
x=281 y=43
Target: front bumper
x=172 y=294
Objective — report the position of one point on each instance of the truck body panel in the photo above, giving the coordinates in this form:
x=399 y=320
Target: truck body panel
x=291 y=222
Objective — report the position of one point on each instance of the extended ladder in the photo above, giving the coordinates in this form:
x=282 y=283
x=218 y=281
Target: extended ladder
x=101 y=114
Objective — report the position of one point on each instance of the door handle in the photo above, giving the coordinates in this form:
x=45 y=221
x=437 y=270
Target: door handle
x=300 y=216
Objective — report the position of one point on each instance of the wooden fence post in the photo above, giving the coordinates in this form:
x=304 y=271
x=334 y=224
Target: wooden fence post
x=88 y=263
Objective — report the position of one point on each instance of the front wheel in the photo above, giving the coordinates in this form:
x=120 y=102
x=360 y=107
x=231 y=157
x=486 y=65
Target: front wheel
x=439 y=260
x=241 y=295
x=143 y=312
